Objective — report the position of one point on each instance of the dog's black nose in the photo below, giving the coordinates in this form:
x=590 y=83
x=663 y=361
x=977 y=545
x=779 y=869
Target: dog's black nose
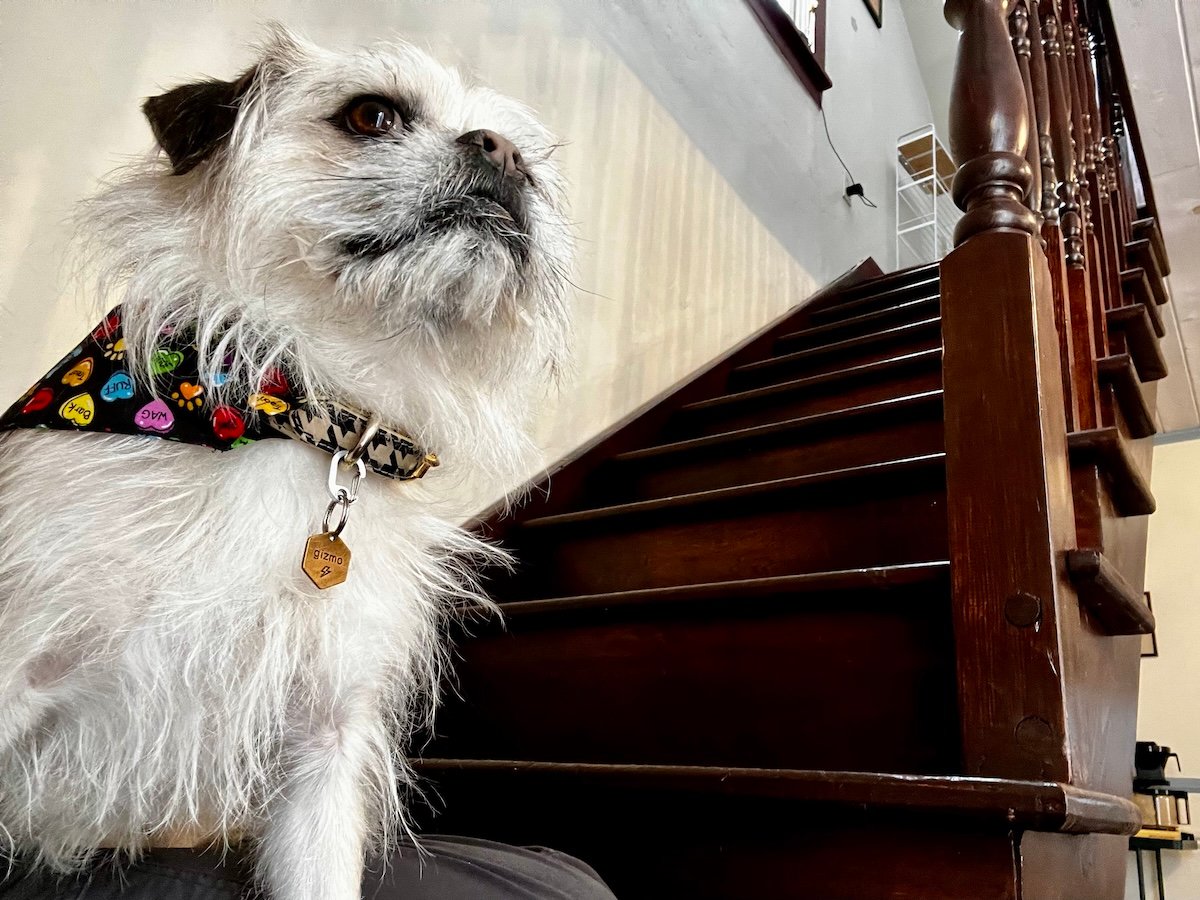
x=498 y=150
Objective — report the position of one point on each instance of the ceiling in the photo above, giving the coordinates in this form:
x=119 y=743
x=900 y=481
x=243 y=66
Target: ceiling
x=1160 y=40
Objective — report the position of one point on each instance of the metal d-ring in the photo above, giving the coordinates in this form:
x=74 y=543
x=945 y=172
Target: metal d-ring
x=364 y=440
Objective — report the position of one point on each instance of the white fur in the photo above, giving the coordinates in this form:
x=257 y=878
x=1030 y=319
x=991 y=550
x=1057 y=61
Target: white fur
x=164 y=663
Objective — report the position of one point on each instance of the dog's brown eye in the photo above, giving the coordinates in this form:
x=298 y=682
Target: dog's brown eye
x=370 y=116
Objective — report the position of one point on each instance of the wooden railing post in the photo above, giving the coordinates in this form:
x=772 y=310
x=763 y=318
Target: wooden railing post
x=1008 y=486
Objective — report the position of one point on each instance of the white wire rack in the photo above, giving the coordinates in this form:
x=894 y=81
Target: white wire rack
x=925 y=211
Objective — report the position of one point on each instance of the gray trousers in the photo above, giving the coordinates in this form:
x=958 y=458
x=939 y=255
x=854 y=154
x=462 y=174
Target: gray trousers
x=455 y=868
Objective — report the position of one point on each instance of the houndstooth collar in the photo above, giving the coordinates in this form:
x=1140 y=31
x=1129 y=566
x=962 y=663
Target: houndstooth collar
x=90 y=390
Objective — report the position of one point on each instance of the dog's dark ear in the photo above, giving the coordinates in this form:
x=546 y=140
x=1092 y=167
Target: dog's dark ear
x=191 y=121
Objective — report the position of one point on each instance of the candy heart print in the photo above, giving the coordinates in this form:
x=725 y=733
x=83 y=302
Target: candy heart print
x=155 y=416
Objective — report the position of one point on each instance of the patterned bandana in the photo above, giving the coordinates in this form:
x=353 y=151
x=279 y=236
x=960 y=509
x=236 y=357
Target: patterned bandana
x=91 y=390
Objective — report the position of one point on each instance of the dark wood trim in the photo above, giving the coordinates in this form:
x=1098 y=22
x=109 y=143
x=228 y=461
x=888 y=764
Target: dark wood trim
x=558 y=487
x=1134 y=324
x=1011 y=803
x=1135 y=284
x=1118 y=373
x=1112 y=601
x=1141 y=253
x=1148 y=230
x=1105 y=448
x=807 y=64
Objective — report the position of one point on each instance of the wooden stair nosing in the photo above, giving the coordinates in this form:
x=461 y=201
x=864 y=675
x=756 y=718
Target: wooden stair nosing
x=1104 y=447
x=1134 y=322
x=865 y=299
x=850 y=374
x=801 y=423
x=996 y=802
x=1147 y=229
x=876 y=579
x=1118 y=372
x=909 y=306
x=1140 y=253
x=913 y=328
x=1112 y=601
x=1136 y=283
x=743 y=492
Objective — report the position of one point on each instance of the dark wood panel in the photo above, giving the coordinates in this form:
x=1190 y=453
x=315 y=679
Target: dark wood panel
x=897 y=517
x=872 y=434
x=860 y=681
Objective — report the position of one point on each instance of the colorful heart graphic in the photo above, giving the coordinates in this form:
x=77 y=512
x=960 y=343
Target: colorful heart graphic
x=272 y=406
x=190 y=391
x=80 y=373
x=241 y=442
x=275 y=382
x=227 y=424
x=155 y=416
x=216 y=379
x=80 y=409
x=118 y=387
x=38 y=401
x=165 y=361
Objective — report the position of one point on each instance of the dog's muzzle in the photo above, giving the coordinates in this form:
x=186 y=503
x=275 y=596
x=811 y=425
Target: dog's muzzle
x=494 y=201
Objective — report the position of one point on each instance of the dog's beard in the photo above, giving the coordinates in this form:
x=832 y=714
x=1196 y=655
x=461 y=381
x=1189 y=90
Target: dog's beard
x=455 y=274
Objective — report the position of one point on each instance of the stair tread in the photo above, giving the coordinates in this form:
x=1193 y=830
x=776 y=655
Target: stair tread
x=848 y=344
x=741 y=492
x=1116 y=604
x=1035 y=805
x=801 y=384
x=797 y=424
x=879 y=299
x=865 y=319
x=892 y=280
x=873 y=578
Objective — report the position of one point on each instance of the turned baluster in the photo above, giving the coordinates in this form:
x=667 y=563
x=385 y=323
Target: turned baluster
x=1052 y=241
x=1078 y=294
x=1041 y=107
x=1022 y=47
x=1064 y=150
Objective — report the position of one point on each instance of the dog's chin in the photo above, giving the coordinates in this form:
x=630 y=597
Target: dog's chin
x=489 y=218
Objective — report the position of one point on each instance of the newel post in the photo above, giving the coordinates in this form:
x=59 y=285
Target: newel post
x=1008 y=485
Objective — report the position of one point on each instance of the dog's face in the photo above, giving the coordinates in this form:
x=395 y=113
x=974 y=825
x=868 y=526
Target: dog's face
x=371 y=193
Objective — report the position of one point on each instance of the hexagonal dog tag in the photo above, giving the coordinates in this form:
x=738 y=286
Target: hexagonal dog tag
x=326 y=560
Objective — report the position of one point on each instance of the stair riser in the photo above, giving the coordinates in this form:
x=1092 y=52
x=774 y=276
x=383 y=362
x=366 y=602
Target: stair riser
x=873 y=302
x=889 y=317
x=819 y=363
x=836 y=682
x=817 y=399
x=870 y=439
x=839 y=527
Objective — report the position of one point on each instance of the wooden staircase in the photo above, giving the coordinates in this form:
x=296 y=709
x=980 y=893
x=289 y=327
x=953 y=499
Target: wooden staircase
x=853 y=611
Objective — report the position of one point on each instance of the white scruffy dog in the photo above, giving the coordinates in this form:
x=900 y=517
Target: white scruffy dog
x=396 y=238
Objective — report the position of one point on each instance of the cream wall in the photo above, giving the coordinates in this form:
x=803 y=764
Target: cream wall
x=707 y=199
x=1169 y=700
